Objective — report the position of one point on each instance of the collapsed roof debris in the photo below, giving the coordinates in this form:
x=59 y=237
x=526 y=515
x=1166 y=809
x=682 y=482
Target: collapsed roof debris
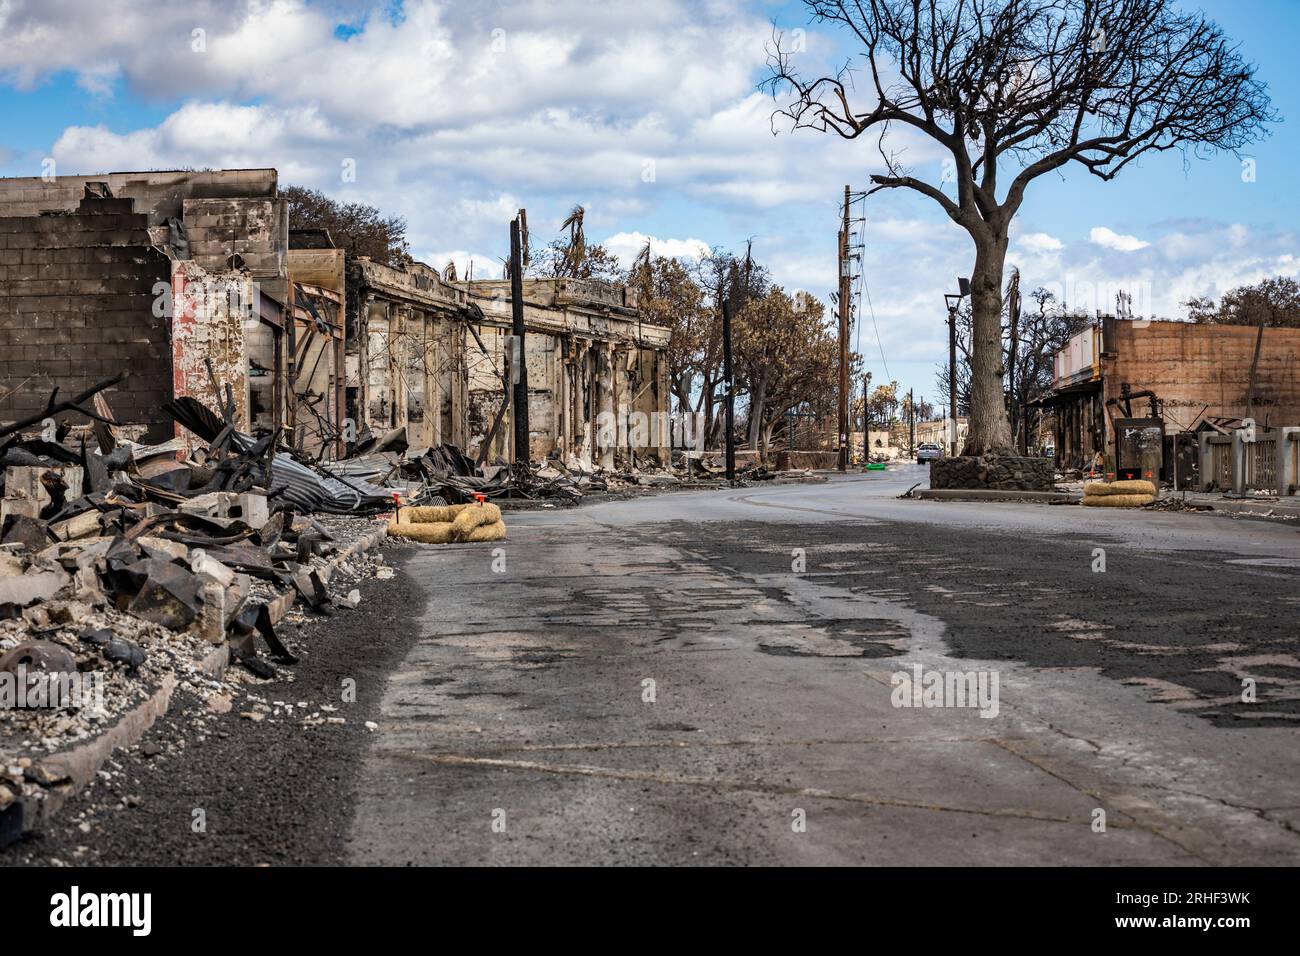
x=128 y=562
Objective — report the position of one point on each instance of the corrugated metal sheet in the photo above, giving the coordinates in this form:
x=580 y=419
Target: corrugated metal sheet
x=309 y=490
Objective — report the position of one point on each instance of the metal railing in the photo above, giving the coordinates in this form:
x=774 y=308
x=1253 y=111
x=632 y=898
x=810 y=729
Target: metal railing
x=1260 y=461
x=1251 y=459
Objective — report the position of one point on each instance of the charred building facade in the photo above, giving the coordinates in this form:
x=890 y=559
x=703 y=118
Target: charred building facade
x=194 y=283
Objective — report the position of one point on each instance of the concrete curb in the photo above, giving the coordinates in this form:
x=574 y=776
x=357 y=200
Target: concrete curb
x=989 y=494
x=81 y=763
x=817 y=479
x=525 y=504
x=1261 y=509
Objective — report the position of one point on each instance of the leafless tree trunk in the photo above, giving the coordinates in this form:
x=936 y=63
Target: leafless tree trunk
x=756 y=407
x=987 y=399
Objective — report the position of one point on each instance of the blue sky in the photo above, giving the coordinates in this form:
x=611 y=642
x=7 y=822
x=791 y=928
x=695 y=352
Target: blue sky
x=457 y=113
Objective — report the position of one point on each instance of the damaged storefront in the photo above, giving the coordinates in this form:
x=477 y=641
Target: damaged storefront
x=1135 y=395
x=597 y=375
x=182 y=279
x=431 y=357
x=406 y=335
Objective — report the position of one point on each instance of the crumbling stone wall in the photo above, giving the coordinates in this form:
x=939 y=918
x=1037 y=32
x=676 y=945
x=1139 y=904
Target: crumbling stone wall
x=77 y=297
x=998 y=473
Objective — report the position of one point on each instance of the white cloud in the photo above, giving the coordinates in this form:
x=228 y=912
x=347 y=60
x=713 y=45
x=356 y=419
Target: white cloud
x=893 y=229
x=206 y=134
x=628 y=245
x=434 y=62
x=1040 y=242
x=625 y=108
x=468 y=264
x=1109 y=239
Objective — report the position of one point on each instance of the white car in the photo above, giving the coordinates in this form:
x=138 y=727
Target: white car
x=928 y=451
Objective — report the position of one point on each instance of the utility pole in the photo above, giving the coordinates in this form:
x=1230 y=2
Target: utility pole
x=844 y=336
x=911 y=415
x=519 y=367
x=866 y=426
x=731 y=391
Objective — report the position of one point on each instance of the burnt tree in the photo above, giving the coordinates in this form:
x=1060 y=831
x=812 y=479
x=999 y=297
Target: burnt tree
x=1013 y=90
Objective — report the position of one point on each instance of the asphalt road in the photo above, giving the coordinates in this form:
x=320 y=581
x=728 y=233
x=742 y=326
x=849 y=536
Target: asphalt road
x=660 y=681
x=707 y=678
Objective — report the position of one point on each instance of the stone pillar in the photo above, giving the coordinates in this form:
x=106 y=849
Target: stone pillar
x=1238 y=463
x=1207 y=462
x=607 y=416
x=1287 y=439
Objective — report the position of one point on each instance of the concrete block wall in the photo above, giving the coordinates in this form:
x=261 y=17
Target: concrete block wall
x=77 y=294
x=217 y=229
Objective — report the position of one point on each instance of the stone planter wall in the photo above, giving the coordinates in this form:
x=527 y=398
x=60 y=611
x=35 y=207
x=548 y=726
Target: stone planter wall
x=996 y=472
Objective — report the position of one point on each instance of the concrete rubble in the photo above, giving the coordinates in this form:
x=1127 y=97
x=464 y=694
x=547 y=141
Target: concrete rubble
x=151 y=567
x=120 y=582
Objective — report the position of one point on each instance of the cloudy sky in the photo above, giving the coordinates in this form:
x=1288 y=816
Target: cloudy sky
x=455 y=113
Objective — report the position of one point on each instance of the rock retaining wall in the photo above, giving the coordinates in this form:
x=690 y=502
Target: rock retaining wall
x=997 y=472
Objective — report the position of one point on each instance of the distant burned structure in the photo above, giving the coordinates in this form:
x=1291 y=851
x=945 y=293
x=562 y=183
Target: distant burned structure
x=597 y=374
x=194 y=282
x=1148 y=383
x=432 y=355
x=406 y=343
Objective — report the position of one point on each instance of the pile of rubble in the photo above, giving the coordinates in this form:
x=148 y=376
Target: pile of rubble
x=179 y=546
x=128 y=567
x=445 y=475
x=1175 y=503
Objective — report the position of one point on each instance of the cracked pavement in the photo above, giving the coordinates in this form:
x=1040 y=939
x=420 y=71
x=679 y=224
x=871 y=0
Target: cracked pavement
x=687 y=678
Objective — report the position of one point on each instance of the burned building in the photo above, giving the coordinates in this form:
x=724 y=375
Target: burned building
x=432 y=355
x=194 y=283
x=179 y=278
x=1162 y=382
x=406 y=342
x=597 y=373
x=85 y=274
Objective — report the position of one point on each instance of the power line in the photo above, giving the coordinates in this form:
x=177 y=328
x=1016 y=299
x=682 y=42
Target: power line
x=864 y=290
x=877 y=328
